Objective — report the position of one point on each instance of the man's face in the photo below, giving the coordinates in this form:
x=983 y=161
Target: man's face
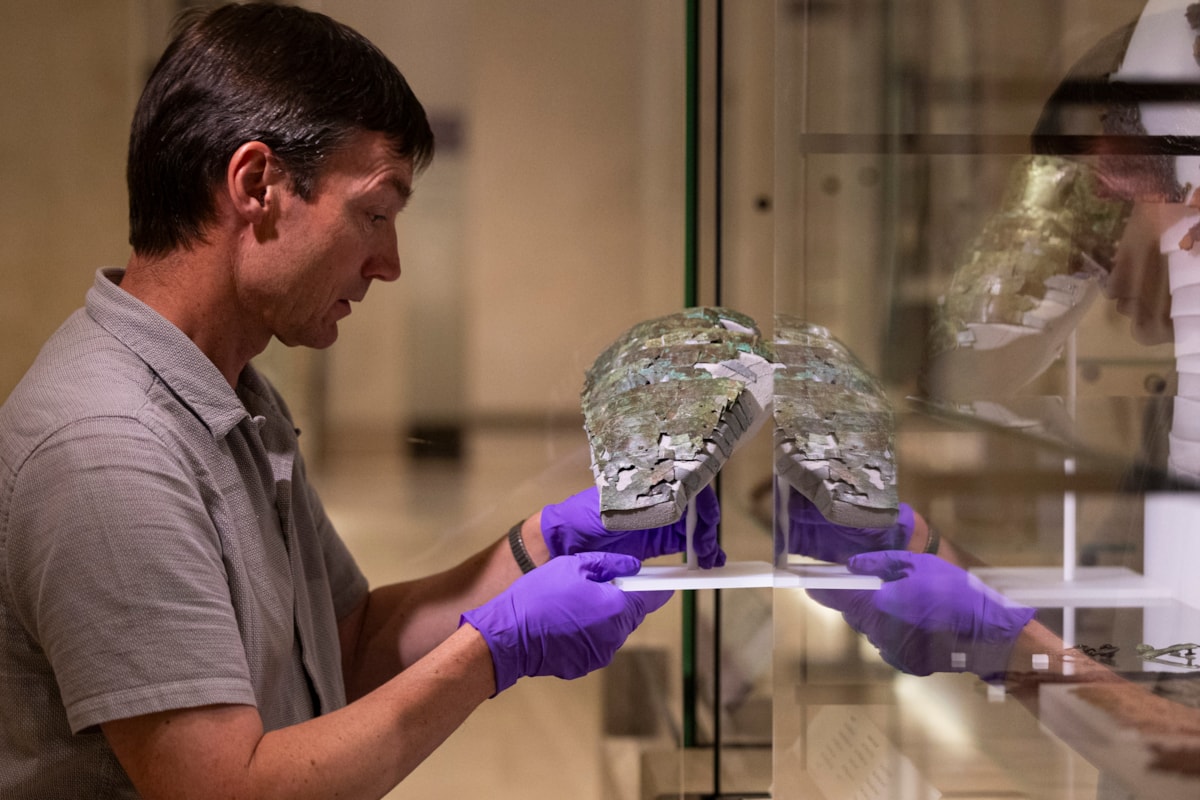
x=318 y=257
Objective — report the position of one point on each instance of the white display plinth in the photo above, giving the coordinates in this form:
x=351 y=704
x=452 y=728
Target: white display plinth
x=744 y=575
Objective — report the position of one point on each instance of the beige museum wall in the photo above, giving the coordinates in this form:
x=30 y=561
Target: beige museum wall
x=553 y=226
x=66 y=76
x=556 y=224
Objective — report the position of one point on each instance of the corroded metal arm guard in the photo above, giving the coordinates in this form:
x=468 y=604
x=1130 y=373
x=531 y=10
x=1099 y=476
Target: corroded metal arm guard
x=665 y=405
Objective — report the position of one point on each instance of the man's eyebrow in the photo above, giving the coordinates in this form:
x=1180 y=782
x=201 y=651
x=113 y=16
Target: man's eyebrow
x=403 y=189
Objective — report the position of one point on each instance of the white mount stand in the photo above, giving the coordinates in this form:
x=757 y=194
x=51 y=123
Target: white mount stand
x=745 y=574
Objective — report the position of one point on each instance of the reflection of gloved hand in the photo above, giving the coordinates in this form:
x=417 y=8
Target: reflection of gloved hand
x=810 y=534
x=563 y=618
x=929 y=615
x=573 y=526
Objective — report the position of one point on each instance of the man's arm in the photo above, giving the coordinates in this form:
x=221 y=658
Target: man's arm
x=398 y=624
x=362 y=750
x=565 y=619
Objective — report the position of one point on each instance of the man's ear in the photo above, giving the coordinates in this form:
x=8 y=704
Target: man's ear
x=253 y=181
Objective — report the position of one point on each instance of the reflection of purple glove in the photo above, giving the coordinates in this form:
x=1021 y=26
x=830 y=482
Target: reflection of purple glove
x=573 y=526
x=563 y=618
x=809 y=534
x=929 y=615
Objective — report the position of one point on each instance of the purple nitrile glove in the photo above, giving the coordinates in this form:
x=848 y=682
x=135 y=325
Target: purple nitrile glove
x=810 y=534
x=563 y=618
x=929 y=615
x=573 y=526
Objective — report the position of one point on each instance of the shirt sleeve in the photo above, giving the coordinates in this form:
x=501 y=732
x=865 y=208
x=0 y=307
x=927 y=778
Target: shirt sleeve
x=117 y=573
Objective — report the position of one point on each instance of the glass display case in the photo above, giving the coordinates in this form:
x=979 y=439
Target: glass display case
x=989 y=204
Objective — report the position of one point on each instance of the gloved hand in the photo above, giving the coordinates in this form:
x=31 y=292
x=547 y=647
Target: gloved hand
x=563 y=618
x=810 y=534
x=929 y=615
x=573 y=526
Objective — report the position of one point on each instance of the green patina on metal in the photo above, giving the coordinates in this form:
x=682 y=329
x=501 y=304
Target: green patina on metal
x=666 y=404
x=659 y=421
x=674 y=341
x=1057 y=222
x=834 y=427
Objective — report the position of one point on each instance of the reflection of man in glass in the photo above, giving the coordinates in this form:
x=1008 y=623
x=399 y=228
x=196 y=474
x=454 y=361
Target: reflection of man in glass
x=1081 y=217
x=1098 y=134
x=1137 y=283
x=1095 y=118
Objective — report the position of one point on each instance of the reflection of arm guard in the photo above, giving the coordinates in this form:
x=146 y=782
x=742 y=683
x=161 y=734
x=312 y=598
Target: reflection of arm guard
x=1062 y=217
x=1054 y=226
x=834 y=438
x=1026 y=279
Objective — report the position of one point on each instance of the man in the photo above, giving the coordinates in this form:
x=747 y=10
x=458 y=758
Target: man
x=178 y=616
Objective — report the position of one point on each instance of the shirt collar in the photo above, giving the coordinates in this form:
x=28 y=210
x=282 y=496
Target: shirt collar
x=167 y=351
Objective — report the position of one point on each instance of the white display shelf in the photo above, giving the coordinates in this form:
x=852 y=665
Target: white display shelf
x=1090 y=587
x=744 y=575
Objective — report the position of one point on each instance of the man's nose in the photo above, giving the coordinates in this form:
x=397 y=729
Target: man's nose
x=386 y=268
x=384 y=263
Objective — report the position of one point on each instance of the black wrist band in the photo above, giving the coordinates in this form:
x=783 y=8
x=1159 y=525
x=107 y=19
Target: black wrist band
x=517 y=544
x=933 y=541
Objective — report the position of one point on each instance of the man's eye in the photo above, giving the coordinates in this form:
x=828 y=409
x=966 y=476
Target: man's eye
x=378 y=218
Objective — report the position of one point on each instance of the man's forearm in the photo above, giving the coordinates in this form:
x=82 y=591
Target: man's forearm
x=405 y=621
x=1040 y=655
x=362 y=750
x=924 y=540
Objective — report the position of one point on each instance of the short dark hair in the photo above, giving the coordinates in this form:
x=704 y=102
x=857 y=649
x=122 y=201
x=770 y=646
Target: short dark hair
x=293 y=79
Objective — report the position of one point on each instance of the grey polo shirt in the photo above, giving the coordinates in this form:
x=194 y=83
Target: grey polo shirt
x=160 y=547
